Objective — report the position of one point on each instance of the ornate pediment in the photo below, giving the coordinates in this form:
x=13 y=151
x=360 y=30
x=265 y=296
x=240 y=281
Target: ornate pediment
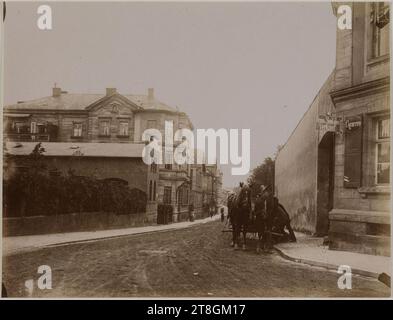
x=113 y=105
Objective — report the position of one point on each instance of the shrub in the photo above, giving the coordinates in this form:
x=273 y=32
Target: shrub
x=37 y=192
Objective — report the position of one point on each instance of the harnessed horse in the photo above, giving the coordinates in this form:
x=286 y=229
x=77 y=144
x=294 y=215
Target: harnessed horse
x=239 y=209
x=268 y=224
x=281 y=220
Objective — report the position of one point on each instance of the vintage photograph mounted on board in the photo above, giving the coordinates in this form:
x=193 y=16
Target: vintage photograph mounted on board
x=196 y=149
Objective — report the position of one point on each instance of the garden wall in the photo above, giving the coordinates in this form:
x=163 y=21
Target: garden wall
x=74 y=222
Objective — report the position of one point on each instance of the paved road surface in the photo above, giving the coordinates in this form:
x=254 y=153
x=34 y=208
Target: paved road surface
x=191 y=262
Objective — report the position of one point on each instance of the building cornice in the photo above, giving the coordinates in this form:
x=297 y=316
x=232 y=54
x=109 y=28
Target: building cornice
x=45 y=111
x=363 y=89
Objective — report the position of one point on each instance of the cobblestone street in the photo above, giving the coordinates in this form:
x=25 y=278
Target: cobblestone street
x=192 y=262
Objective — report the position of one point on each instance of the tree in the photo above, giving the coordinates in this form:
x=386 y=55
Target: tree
x=262 y=175
x=37 y=191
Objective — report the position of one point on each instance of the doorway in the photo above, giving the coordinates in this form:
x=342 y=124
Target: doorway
x=325 y=184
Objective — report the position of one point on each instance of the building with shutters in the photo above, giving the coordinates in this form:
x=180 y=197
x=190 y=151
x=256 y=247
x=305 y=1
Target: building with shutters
x=333 y=173
x=104 y=132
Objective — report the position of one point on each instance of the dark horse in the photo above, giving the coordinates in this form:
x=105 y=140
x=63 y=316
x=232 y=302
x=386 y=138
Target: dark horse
x=281 y=220
x=239 y=209
x=271 y=223
x=270 y=226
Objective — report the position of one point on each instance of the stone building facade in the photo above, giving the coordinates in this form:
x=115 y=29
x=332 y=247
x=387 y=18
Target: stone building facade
x=338 y=182
x=297 y=169
x=112 y=123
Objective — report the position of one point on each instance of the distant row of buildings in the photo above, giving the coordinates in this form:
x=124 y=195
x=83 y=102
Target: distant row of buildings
x=100 y=135
x=333 y=174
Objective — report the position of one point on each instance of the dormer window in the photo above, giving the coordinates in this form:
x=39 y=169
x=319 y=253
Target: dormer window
x=77 y=130
x=105 y=128
x=123 y=128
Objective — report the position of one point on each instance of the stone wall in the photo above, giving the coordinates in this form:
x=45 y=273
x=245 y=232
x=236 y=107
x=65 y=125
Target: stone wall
x=296 y=165
x=295 y=173
x=75 y=222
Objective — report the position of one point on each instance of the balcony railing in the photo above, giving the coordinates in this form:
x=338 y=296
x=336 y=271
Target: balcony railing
x=27 y=136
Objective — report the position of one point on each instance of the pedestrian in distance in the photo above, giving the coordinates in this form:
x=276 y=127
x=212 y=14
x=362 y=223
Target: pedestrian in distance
x=222 y=214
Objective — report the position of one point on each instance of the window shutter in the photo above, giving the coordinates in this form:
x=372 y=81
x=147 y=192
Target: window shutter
x=353 y=152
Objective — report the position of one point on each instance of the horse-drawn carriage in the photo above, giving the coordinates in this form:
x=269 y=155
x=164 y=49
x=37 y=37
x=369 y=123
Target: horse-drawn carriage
x=263 y=216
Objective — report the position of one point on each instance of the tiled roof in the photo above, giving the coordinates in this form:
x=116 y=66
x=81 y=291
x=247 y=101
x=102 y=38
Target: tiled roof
x=66 y=101
x=142 y=101
x=76 y=101
x=88 y=149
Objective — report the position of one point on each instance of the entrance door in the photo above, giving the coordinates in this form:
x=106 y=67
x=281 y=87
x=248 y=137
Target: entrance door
x=325 y=185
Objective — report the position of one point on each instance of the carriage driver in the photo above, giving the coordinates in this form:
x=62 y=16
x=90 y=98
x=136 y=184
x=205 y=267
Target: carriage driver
x=269 y=208
x=260 y=217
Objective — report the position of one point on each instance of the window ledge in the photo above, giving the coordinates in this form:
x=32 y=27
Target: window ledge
x=374 y=61
x=76 y=137
x=364 y=191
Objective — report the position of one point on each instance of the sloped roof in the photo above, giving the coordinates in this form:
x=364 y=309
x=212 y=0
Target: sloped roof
x=143 y=101
x=66 y=101
x=80 y=101
x=88 y=149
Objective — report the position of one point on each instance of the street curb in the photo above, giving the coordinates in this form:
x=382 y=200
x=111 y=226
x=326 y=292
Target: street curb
x=124 y=235
x=329 y=266
x=34 y=248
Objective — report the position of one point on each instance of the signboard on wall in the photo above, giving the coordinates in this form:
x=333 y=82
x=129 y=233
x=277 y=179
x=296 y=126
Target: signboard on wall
x=328 y=123
x=353 y=123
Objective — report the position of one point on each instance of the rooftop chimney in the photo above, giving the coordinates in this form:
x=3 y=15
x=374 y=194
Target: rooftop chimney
x=56 y=92
x=150 y=94
x=110 y=91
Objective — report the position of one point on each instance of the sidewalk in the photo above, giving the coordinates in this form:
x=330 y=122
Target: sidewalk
x=310 y=250
x=12 y=245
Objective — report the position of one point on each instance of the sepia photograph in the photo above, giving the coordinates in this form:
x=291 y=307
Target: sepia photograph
x=195 y=150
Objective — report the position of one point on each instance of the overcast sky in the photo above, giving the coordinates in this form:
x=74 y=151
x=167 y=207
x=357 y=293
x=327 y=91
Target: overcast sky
x=228 y=65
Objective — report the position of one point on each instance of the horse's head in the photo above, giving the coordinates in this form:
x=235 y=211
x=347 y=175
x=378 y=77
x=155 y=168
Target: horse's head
x=230 y=199
x=244 y=199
